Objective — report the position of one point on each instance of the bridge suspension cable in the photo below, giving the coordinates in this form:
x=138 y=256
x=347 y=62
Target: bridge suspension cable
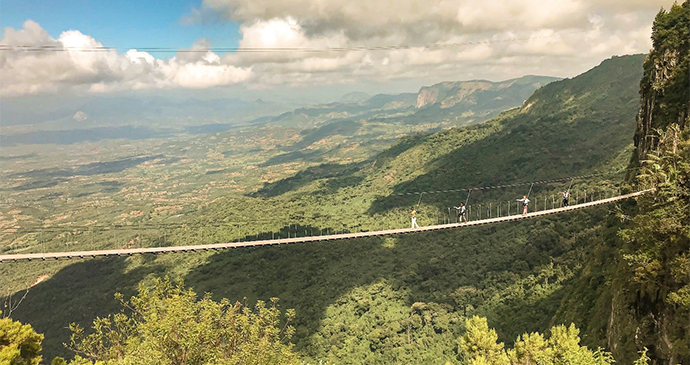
x=306 y=239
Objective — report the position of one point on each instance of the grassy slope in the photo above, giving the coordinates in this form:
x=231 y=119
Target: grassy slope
x=398 y=299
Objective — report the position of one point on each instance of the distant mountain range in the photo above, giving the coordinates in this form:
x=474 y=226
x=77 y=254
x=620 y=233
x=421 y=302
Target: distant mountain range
x=464 y=102
x=67 y=120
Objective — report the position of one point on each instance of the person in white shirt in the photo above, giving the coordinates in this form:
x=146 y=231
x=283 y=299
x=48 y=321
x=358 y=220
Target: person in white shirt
x=566 y=198
x=525 y=203
x=462 y=212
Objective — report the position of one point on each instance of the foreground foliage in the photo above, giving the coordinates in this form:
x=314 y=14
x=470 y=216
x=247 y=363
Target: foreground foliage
x=19 y=343
x=479 y=346
x=168 y=324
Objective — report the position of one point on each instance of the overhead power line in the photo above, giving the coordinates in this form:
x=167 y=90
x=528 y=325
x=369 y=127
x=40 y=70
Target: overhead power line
x=432 y=46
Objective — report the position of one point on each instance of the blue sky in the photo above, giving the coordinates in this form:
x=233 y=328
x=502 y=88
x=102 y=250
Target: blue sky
x=121 y=24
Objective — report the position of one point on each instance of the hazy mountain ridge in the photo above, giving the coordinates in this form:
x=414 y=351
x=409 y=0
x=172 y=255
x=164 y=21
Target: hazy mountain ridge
x=449 y=94
x=454 y=104
x=175 y=110
x=133 y=116
x=467 y=101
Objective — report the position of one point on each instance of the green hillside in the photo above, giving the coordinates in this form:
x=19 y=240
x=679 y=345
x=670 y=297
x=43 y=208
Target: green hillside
x=371 y=122
x=566 y=128
x=400 y=299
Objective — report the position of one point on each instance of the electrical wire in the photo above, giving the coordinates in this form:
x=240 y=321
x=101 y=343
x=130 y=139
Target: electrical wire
x=433 y=46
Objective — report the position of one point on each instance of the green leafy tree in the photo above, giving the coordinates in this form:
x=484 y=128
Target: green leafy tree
x=479 y=347
x=563 y=347
x=19 y=343
x=169 y=324
x=644 y=359
x=58 y=361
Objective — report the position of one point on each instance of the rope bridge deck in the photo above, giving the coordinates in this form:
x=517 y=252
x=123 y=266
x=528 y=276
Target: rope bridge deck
x=308 y=239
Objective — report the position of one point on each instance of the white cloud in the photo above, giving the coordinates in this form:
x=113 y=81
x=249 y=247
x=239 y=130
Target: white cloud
x=137 y=57
x=556 y=37
x=102 y=71
x=200 y=75
x=422 y=20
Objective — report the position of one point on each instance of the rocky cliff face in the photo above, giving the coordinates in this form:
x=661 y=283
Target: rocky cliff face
x=426 y=96
x=664 y=100
x=447 y=95
x=665 y=87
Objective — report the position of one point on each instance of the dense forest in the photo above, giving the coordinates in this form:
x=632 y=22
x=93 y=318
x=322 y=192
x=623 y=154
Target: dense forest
x=580 y=288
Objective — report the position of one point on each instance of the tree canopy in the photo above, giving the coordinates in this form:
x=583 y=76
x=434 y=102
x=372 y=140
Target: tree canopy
x=169 y=324
x=19 y=343
x=479 y=347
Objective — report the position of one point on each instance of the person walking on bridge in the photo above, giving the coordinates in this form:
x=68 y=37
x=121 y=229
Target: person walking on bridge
x=413 y=213
x=566 y=198
x=462 y=212
x=525 y=203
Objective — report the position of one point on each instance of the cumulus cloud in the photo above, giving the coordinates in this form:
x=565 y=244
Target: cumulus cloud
x=422 y=20
x=332 y=42
x=69 y=68
x=556 y=37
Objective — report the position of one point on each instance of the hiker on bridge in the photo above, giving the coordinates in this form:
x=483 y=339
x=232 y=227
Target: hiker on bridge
x=462 y=212
x=566 y=198
x=413 y=213
x=525 y=204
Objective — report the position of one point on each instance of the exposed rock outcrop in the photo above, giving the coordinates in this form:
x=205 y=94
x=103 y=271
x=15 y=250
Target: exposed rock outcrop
x=664 y=100
x=665 y=87
x=447 y=95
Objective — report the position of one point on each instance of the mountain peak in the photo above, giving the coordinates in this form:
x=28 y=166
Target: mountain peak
x=451 y=93
x=354 y=97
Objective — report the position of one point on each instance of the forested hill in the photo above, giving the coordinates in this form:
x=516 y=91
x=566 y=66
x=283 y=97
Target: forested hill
x=566 y=128
x=403 y=300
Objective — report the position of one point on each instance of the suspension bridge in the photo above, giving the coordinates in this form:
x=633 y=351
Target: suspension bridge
x=309 y=239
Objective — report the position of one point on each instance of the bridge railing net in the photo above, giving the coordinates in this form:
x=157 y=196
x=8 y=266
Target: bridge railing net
x=439 y=210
